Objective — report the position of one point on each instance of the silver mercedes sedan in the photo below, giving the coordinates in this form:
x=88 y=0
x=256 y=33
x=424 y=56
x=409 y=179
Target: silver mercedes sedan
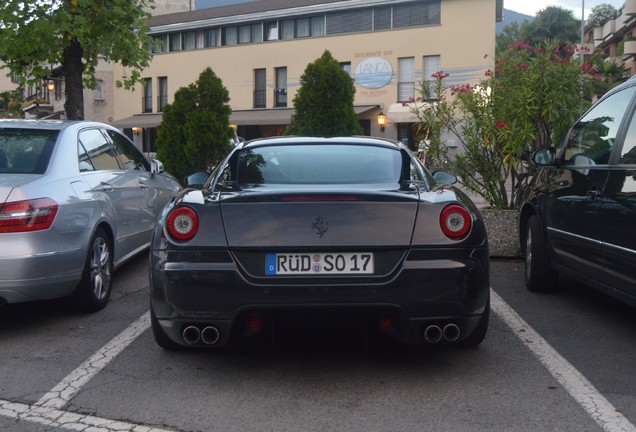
x=77 y=199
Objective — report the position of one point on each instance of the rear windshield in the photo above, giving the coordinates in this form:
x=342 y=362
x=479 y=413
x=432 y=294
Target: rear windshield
x=26 y=151
x=318 y=164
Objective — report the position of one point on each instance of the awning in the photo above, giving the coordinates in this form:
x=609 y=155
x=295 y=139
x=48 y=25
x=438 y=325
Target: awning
x=139 y=120
x=273 y=116
x=399 y=113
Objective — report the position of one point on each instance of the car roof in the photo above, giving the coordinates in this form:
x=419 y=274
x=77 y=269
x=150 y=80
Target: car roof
x=45 y=124
x=356 y=140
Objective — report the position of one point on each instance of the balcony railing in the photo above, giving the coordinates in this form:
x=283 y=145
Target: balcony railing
x=162 y=101
x=260 y=99
x=146 y=104
x=280 y=97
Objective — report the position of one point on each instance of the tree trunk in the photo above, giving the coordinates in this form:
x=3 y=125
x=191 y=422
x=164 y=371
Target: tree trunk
x=73 y=70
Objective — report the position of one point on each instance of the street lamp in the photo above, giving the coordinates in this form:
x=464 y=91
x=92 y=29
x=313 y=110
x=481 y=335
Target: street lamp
x=381 y=121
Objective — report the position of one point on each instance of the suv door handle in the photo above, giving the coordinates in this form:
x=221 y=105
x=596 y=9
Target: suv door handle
x=593 y=193
x=143 y=186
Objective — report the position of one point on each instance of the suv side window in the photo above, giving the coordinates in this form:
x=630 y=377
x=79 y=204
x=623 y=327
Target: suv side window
x=591 y=140
x=628 y=153
x=130 y=157
x=100 y=151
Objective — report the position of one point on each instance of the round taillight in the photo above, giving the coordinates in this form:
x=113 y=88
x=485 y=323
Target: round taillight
x=183 y=223
x=455 y=221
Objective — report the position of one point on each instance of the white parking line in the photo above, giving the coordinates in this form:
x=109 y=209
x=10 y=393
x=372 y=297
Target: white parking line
x=594 y=403
x=51 y=417
x=47 y=410
x=62 y=393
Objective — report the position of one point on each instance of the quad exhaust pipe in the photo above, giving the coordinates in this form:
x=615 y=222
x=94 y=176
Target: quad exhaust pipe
x=434 y=333
x=193 y=335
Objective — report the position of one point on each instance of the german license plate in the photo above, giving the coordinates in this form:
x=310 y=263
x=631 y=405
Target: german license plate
x=318 y=263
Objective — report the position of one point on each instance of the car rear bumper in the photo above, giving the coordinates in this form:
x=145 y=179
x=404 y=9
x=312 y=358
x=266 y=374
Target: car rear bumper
x=40 y=276
x=432 y=287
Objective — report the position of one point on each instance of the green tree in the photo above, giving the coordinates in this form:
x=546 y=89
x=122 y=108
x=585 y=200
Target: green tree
x=324 y=103
x=529 y=101
x=195 y=132
x=10 y=104
x=552 y=23
x=600 y=15
x=74 y=34
x=507 y=36
x=609 y=74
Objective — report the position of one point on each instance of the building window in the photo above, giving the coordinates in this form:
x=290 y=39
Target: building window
x=302 y=28
x=259 y=89
x=431 y=65
x=160 y=44
x=406 y=79
x=382 y=18
x=15 y=79
x=286 y=29
x=244 y=34
x=280 y=93
x=210 y=38
x=271 y=31
x=350 y=21
x=257 y=32
x=189 y=40
x=146 y=103
x=175 y=42
x=318 y=26
x=230 y=36
x=162 y=99
x=98 y=93
x=346 y=66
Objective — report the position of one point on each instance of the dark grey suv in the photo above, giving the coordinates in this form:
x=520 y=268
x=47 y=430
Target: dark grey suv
x=580 y=216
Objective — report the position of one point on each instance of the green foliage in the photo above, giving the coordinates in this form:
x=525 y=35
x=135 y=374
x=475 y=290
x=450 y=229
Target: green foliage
x=10 y=104
x=324 y=103
x=600 y=15
x=507 y=36
x=552 y=23
x=36 y=36
x=528 y=102
x=195 y=132
x=609 y=74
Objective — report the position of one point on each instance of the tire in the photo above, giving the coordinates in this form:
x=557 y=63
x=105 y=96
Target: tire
x=479 y=334
x=539 y=275
x=93 y=292
x=161 y=337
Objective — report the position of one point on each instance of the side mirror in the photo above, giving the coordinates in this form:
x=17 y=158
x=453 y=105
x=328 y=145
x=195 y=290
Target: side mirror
x=196 y=179
x=156 y=167
x=444 y=177
x=544 y=156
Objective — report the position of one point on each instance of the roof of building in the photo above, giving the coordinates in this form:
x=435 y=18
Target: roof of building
x=252 y=7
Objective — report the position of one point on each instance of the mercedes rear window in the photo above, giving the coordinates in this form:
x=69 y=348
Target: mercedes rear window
x=26 y=151
x=318 y=164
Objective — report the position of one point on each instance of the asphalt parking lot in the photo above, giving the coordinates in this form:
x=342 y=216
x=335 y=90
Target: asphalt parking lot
x=561 y=361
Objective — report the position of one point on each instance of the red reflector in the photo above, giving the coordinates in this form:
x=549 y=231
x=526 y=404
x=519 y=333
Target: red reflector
x=254 y=324
x=385 y=323
x=455 y=221
x=321 y=198
x=25 y=216
x=183 y=223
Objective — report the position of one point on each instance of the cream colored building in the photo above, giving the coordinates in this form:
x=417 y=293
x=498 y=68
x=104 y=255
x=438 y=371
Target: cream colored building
x=260 y=50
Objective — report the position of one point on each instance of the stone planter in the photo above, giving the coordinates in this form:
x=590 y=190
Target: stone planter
x=503 y=239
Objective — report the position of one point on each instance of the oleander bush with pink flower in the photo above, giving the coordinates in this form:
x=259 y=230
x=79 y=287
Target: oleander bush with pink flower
x=529 y=101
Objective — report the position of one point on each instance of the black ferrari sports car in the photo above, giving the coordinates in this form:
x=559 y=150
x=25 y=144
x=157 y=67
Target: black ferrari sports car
x=322 y=228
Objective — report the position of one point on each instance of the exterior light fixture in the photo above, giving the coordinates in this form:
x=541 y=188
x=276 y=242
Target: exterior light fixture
x=50 y=86
x=136 y=130
x=381 y=121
